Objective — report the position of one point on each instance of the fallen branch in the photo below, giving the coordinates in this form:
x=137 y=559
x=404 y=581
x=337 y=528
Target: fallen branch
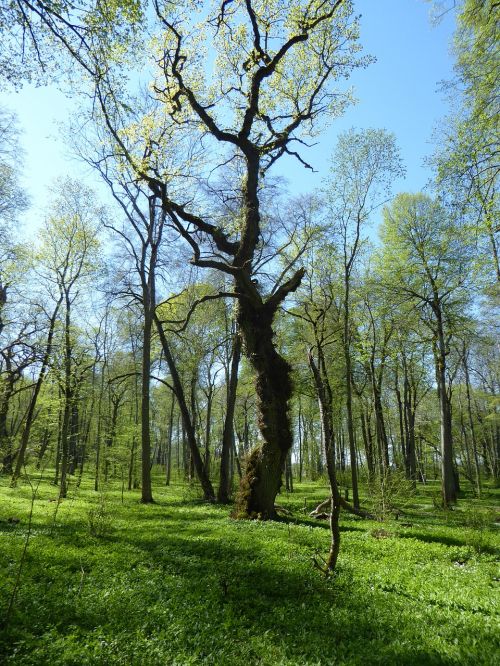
x=281 y=510
x=320 y=513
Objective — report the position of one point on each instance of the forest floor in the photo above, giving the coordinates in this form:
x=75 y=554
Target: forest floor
x=106 y=580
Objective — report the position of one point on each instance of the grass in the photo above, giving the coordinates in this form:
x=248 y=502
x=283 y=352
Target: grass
x=179 y=582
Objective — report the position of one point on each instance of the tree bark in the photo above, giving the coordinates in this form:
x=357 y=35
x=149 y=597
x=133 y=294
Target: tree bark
x=368 y=442
x=348 y=384
x=409 y=397
x=146 y=489
x=301 y=452
x=168 y=446
x=68 y=398
x=223 y=492
x=208 y=428
x=324 y=394
x=206 y=485
x=5 y=437
x=448 y=482
x=44 y=445
x=74 y=435
x=36 y=392
x=262 y=479
x=471 y=423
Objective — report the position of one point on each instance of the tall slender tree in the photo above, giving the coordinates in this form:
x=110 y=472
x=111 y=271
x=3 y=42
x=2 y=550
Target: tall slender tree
x=68 y=258
x=427 y=256
x=364 y=165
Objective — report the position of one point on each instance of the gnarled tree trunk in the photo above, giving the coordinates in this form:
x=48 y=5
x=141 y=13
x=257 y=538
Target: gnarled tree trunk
x=262 y=479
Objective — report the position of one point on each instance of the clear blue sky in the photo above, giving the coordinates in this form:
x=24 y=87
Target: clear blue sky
x=399 y=92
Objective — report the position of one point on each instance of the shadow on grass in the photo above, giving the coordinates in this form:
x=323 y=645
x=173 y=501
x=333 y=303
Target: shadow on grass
x=313 y=524
x=446 y=541
x=211 y=594
x=223 y=600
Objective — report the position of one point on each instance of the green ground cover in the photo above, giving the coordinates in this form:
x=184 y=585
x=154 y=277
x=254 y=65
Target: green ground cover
x=179 y=582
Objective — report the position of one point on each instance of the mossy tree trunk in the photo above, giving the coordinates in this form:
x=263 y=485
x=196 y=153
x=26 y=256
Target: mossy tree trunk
x=262 y=479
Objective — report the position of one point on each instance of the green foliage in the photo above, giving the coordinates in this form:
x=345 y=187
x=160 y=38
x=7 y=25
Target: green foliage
x=466 y=157
x=390 y=493
x=99 y=518
x=476 y=50
x=29 y=49
x=179 y=582
x=427 y=255
x=13 y=198
x=479 y=520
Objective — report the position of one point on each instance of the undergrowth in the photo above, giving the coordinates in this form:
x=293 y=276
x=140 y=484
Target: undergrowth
x=180 y=582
